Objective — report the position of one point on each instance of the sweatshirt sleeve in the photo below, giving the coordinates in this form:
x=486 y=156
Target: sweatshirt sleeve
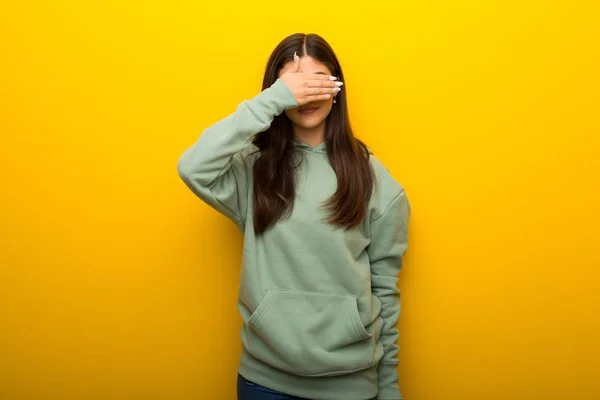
x=389 y=242
x=213 y=167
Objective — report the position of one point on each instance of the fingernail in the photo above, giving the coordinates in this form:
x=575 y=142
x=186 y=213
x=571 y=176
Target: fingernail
x=295 y=56
x=336 y=89
x=332 y=78
x=339 y=83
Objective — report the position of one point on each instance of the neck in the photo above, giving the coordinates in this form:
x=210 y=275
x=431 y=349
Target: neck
x=312 y=136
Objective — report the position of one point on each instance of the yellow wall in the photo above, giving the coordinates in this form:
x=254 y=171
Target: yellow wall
x=117 y=283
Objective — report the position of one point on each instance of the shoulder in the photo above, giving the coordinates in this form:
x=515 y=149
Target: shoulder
x=386 y=188
x=386 y=182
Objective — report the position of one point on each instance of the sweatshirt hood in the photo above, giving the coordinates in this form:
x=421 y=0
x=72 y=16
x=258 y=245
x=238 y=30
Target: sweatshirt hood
x=321 y=148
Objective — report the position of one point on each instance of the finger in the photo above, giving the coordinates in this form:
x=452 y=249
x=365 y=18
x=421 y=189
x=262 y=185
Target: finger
x=319 y=91
x=320 y=77
x=323 y=83
x=296 y=66
x=318 y=97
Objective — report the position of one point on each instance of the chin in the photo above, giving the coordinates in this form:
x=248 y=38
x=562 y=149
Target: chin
x=308 y=123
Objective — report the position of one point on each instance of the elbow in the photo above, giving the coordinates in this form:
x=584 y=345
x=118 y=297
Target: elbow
x=187 y=171
x=186 y=165
x=192 y=176
x=183 y=169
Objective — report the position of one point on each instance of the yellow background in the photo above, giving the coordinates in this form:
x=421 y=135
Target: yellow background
x=117 y=283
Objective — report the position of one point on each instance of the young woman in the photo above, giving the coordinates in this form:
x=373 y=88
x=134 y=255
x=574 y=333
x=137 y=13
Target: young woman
x=325 y=227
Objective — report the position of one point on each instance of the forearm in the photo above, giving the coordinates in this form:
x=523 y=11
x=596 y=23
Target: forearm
x=209 y=157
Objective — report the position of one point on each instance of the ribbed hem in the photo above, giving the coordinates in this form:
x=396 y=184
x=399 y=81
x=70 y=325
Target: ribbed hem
x=361 y=385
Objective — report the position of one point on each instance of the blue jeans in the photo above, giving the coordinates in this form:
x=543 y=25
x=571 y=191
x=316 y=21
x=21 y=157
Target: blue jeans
x=248 y=390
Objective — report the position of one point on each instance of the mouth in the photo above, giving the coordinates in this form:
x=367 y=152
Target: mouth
x=307 y=110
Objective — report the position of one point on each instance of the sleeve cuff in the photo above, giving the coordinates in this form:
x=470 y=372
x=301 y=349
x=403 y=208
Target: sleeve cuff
x=283 y=94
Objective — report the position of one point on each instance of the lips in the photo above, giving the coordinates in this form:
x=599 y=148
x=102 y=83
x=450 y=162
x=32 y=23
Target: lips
x=307 y=110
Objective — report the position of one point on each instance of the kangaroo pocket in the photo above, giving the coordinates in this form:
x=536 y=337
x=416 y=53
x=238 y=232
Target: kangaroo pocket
x=310 y=333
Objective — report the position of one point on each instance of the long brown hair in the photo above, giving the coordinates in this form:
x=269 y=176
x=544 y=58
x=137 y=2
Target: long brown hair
x=274 y=170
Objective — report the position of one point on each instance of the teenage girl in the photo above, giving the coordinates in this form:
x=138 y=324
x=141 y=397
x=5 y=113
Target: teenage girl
x=325 y=228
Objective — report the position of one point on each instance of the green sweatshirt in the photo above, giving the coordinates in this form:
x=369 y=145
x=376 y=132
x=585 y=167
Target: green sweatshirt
x=320 y=306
